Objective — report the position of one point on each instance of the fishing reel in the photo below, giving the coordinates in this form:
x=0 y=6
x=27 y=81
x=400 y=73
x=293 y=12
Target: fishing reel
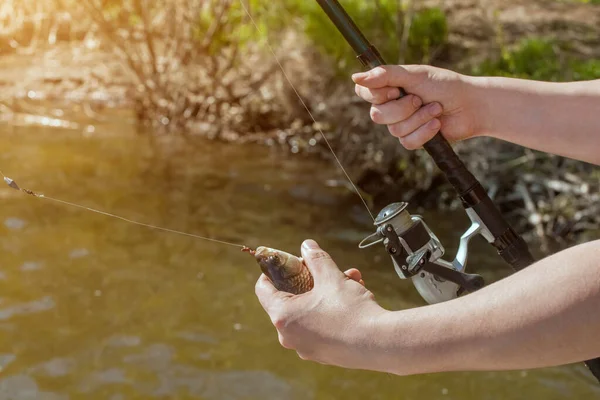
x=416 y=253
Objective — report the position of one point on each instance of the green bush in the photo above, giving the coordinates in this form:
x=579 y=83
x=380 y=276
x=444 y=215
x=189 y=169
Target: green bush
x=379 y=23
x=583 y=71
x=531 y=59
x=239 y=30
x=377 y=20
x=428 y=32
x=376 y=24
x=540 y=59
x=582 y=1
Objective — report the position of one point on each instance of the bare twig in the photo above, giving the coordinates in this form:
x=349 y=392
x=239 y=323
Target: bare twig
x=534 y=216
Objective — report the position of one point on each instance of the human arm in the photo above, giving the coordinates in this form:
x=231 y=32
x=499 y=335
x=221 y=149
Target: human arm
x=557 y=118
x=545 y=315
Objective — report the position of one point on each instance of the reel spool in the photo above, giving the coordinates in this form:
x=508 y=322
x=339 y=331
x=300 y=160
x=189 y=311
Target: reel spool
x=416 y=254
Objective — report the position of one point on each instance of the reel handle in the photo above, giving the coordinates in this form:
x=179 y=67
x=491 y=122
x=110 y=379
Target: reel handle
x=467 y=282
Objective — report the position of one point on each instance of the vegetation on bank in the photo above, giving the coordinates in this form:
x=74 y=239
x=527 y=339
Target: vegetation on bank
x=201 y=67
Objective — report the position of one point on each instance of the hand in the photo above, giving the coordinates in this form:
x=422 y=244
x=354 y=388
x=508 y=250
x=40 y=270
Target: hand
x=331 y=324
x=445 y=95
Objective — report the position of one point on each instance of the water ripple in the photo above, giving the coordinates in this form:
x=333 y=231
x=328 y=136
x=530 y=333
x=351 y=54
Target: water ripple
x=43 y=304
x=123 y=341
x=14 y=223
x=56 y=367
x=22 y=387
x=6 y=359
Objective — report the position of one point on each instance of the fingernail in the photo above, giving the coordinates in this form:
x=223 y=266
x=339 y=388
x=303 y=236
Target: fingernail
x=310 y=244
x=393 y=94
x=417 y=102
x=359 y=75
x=435 y=109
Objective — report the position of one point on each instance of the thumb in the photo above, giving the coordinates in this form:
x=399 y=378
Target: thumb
x=386 y=76
x=319 y=263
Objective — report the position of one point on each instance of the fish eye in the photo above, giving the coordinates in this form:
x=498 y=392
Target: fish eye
x=273 y=259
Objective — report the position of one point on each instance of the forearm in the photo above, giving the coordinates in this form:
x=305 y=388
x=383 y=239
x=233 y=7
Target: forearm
x=559 y=118
x=545 y=315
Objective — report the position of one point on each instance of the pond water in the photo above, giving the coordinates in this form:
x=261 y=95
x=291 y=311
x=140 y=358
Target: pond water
x=96 y=308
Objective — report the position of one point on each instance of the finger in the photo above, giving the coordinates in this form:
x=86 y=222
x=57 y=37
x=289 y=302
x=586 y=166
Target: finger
x=268 y=296
x=422 y=135
x=377 y=96
x=396 y=111
x=353 y=274
x=283 y=341
x=406 y=127
x=387 y=75
x=362 y=282
x=310 y=356
x=319 y=263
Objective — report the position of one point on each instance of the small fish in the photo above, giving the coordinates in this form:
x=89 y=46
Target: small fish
x=287 y=272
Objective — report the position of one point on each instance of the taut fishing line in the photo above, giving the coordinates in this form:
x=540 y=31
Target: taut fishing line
x=11 y=183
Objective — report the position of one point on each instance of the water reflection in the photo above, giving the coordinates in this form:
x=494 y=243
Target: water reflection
x=14 y=223
x=22 y=387
x=6 y=359
x=30 y=266
x=54 y=368
x=96 y=308
x=123 y=341
x=34 y=306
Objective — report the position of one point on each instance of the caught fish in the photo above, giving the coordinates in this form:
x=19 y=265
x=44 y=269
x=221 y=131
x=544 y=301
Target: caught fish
x=287 y=272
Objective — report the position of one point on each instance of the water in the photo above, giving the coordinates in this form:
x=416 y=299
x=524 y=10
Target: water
x=95 y=308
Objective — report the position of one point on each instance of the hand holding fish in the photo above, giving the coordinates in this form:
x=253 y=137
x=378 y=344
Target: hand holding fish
x=330 y=323
x=338 y=322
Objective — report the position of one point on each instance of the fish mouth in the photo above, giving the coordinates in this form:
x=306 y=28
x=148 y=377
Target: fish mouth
x=271 y=264
x=260 y=254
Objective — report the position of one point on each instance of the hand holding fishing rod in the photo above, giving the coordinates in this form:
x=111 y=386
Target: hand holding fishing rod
x=436 y=280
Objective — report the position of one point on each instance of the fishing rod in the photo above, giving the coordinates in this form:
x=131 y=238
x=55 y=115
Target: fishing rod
x=414 y=249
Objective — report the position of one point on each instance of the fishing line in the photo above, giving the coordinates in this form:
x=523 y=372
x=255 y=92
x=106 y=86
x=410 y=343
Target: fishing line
x=11 y=183
x=307 y=110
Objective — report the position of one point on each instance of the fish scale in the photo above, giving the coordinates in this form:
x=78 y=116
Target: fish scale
x=287 y=272
x=298 y=284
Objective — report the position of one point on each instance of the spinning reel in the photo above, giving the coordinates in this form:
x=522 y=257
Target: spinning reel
x=416 y=253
